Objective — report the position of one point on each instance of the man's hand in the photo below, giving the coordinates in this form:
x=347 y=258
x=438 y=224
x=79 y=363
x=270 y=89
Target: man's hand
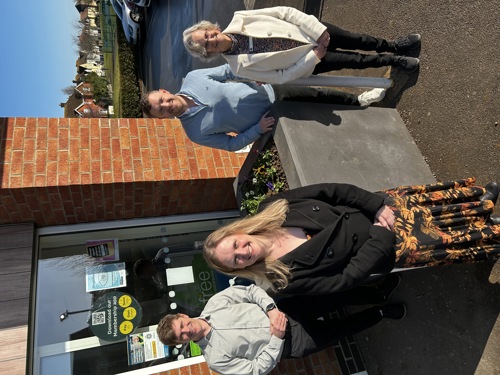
x=278 y=323
x=385 y=217
x=266 y=123
x=324 y=39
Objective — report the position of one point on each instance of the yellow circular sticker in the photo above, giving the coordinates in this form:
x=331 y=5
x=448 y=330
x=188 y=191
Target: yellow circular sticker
x=124 y=301
x=126 y=327
x=129 y=313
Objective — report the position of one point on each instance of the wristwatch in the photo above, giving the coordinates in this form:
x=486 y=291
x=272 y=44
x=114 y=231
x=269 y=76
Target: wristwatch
x=270 y=307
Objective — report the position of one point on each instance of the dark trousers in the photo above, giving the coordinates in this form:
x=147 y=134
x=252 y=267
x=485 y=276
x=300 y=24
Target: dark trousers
x=313 y=95
x=306 y=334
x=339 y=38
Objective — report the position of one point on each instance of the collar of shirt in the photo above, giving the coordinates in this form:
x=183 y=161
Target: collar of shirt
x=203 y=342
x=190 y=109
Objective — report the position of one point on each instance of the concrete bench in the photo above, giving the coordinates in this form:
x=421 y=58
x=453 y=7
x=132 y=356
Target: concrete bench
x=366 y=146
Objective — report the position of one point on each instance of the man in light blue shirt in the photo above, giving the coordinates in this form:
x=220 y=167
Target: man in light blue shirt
x=213 y=103
x=241 y=331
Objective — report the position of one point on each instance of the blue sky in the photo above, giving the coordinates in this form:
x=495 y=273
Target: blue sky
x=38 y=56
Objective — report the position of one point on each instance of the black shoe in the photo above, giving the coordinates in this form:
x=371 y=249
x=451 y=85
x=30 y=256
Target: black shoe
x=407 y=43
x=408 y=64
x=395 y=311
x=494 y=220
x=389 y=285
x=492 y=190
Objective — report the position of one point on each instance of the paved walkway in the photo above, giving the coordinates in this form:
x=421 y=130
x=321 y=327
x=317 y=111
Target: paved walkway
x=451 y=108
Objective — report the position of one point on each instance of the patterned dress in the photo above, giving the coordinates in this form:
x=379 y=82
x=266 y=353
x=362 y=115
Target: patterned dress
x=241 y=44
x=443 y=223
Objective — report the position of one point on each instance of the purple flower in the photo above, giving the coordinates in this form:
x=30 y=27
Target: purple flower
x=270 y=185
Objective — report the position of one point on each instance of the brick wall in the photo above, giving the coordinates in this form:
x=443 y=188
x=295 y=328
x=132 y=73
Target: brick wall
x=198 y=369
x=322 y=363
x=66 y=171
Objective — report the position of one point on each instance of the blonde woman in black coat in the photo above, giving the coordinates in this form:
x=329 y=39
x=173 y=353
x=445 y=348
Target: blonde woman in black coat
x=328 y=238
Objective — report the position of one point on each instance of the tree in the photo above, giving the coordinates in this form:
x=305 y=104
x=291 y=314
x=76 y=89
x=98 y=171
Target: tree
x=99 y=87
x=85 y=41
x=69 y=90
x=87 y=2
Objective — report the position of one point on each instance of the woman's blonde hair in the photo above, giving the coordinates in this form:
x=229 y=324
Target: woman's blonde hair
x=265 y=225
x=196 y=49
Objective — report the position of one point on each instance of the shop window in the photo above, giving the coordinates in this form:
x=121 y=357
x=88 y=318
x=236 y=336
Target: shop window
x=157 y=269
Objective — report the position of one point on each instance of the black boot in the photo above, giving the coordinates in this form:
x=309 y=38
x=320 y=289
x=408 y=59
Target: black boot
x=494 y=220
x=492 y=191
x=389 y=285
x=408 y=64
x=395 y=311
x=406 y=43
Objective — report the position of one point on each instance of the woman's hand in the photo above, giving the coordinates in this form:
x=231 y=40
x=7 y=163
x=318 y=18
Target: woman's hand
x=385 y=217
x=278 y=323
x=320 y=51
x=324 y=39
x=266 y=123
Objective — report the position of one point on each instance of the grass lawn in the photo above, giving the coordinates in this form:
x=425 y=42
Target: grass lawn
x=116 y=82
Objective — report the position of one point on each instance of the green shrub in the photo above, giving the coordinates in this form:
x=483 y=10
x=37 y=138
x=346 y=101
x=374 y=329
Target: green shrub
x=129 y=89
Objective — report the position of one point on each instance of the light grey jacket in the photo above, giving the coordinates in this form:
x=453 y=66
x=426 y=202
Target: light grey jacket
x=240 y=342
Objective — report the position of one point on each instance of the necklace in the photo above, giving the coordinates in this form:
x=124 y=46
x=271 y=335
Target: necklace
x=308 y=236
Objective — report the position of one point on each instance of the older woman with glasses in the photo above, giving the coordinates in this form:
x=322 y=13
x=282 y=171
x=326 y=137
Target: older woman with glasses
x=281 y=44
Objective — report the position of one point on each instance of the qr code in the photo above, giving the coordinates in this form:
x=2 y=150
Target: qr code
x=98 y=317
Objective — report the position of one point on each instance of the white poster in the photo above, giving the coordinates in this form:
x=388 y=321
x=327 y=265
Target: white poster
x=106 y=276
x=180 y=275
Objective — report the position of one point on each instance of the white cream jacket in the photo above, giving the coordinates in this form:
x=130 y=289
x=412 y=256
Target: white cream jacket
x=278 y=22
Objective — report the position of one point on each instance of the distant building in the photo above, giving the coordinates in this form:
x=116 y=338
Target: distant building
x=81 y=104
